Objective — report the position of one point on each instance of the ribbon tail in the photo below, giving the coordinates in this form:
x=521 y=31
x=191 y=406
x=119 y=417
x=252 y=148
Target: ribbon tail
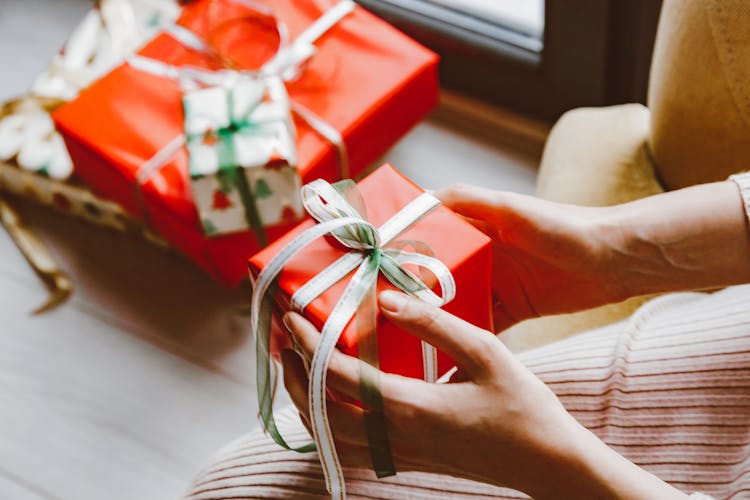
x=236 y=177
x=266 y=375
x=369 y=388
x=56 y=280
x=261 y=309
x=363 y=279
x=405 y=280
x=149 y=168
x=429 y=362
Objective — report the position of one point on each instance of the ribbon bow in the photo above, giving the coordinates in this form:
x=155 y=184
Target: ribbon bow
x=226 y=127
x=339 y=211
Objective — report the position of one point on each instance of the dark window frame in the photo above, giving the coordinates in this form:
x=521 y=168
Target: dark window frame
x=595 y=52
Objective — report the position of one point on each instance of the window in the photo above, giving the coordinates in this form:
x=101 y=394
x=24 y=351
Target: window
x=537 y=57
x=523 y=18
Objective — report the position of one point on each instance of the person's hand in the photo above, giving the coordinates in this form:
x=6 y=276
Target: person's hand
x=548 y=257
x=498 y=424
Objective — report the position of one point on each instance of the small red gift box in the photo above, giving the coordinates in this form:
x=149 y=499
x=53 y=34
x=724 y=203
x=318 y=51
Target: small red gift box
x=461 y=247
x=368 y=81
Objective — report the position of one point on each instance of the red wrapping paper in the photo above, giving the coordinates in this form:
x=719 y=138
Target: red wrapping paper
x=367 y=80
x=465 y=250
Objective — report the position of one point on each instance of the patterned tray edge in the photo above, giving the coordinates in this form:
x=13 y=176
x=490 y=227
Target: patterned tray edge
x=74 y=200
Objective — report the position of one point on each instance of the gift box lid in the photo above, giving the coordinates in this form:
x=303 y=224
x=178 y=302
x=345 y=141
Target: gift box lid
x=385 y=191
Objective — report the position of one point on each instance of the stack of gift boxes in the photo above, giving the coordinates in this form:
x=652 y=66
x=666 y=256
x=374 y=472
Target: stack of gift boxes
x=205 y=133
x=34 y=162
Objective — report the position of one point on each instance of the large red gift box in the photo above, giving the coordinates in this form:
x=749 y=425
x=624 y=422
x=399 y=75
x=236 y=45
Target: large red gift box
x=367 y=80
x=460 y=246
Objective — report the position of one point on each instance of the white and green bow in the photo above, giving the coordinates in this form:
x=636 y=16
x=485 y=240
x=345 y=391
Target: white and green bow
x=233 y=132
x=340 y=213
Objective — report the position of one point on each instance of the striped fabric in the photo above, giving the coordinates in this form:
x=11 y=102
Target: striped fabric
x=669 y=388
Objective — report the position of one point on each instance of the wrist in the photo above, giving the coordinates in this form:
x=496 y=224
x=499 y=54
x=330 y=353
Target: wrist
x=636 y=249
x=607 y=474
x=690 y=239
x=567 y=469
x=610 y=239
x=588 y=468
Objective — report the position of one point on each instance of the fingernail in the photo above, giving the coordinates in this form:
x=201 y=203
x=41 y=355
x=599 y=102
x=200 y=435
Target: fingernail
x=392 y=301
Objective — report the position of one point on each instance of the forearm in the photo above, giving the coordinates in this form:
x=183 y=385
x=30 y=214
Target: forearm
x=566 y=460
x=598 y=472
x=689 y=239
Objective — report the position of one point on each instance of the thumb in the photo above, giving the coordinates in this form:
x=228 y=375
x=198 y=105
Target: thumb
x=503 y=212
x=477 y=351
x=472 y=201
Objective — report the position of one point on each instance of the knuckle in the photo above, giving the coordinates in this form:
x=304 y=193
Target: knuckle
x=410 y=408
x=485 y=350
x=460 y=188
x=500 y=200
x=455 y=193
x=339 y=367
x=334 y=365
x=422 y=315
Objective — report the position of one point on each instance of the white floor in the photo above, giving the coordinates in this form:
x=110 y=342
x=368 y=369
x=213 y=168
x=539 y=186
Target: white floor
x=124 y=392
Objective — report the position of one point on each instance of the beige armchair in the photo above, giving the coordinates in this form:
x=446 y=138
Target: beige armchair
x=696 y=129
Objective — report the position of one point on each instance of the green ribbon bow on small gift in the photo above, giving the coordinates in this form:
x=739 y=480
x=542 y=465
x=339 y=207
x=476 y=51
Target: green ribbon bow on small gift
x=339 y=210
x=243 y=124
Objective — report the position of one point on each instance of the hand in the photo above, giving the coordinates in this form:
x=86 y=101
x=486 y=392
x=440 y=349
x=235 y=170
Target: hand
x=499 y=424
x=548 y=257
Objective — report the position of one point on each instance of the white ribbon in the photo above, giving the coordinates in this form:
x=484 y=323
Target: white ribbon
x=337 y=217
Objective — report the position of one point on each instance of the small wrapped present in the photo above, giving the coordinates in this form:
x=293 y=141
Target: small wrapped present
x=384 y=240
x=240 y=141
x=355 y=85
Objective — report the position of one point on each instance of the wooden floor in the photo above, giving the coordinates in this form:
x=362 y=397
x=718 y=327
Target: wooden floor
x=125 y=391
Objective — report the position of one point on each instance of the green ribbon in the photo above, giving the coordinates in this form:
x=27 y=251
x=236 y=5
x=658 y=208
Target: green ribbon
x=376 y=426
x=230 y=174
x=266 y=376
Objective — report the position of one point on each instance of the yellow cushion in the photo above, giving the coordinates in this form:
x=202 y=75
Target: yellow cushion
x=699 y=91
x=594 y=157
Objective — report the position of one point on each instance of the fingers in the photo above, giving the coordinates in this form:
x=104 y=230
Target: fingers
x=343 y=370
x=346 y=420
x=477 y=351
x=295 y=381
x=504 y=213
x=483 y=226
x=353 y=456
x=472 y=201
x=458 y=377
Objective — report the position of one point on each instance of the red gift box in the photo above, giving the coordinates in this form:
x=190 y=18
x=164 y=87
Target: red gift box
x=367 y=80
x=461 y=247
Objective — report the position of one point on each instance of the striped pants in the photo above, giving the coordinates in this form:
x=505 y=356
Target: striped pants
x=669 y=389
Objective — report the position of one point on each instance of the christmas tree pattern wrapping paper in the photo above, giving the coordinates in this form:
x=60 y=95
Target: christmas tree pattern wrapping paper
x=240 y=141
